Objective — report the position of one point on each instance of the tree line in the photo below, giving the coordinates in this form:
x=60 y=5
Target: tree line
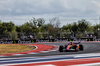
x=39 y=29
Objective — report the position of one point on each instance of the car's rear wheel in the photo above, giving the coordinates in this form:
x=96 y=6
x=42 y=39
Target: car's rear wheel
x=61 y=48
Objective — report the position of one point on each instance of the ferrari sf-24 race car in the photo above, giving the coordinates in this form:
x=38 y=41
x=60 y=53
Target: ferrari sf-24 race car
x=72 y=46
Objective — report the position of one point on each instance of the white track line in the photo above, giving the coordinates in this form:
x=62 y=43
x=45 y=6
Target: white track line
x=90 y=64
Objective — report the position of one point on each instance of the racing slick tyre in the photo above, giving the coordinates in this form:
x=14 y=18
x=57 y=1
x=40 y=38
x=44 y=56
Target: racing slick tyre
x=61 y=48
x=81 y=47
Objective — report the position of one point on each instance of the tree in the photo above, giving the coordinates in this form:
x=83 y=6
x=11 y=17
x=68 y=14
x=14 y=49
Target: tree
x=34 y=22
x=14 y=35
x=19 y=29
x=96 y=29
x=74 y=27
x=69 y=27
x=27 y=28
x=50 y=28
x=83 y=25
x=55 y=22
x=37 y=22
x=8 y=26
x=65 y=28
x=44 y=28
x=1 y=28
x=40 y=22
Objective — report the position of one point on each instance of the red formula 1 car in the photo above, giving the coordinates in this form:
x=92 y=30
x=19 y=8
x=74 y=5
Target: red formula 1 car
x=72 y=46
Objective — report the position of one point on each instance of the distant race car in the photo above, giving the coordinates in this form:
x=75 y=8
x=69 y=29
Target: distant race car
x=72 y=46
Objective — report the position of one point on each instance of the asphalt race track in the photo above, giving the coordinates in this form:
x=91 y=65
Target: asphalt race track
x=89 y=47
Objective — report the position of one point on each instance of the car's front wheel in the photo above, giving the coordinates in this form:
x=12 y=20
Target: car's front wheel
x=61 y=48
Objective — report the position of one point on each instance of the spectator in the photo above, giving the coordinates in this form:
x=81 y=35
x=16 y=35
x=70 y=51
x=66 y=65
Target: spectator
x=91 y=36
x=87 y=36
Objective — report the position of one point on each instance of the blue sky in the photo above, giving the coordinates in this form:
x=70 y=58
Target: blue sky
x=68 y=11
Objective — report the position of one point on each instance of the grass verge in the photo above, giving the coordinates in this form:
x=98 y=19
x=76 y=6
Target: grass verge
x=14 y=48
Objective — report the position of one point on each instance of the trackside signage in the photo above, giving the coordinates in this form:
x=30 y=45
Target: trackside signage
x=43 y=40
x=14 y=42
